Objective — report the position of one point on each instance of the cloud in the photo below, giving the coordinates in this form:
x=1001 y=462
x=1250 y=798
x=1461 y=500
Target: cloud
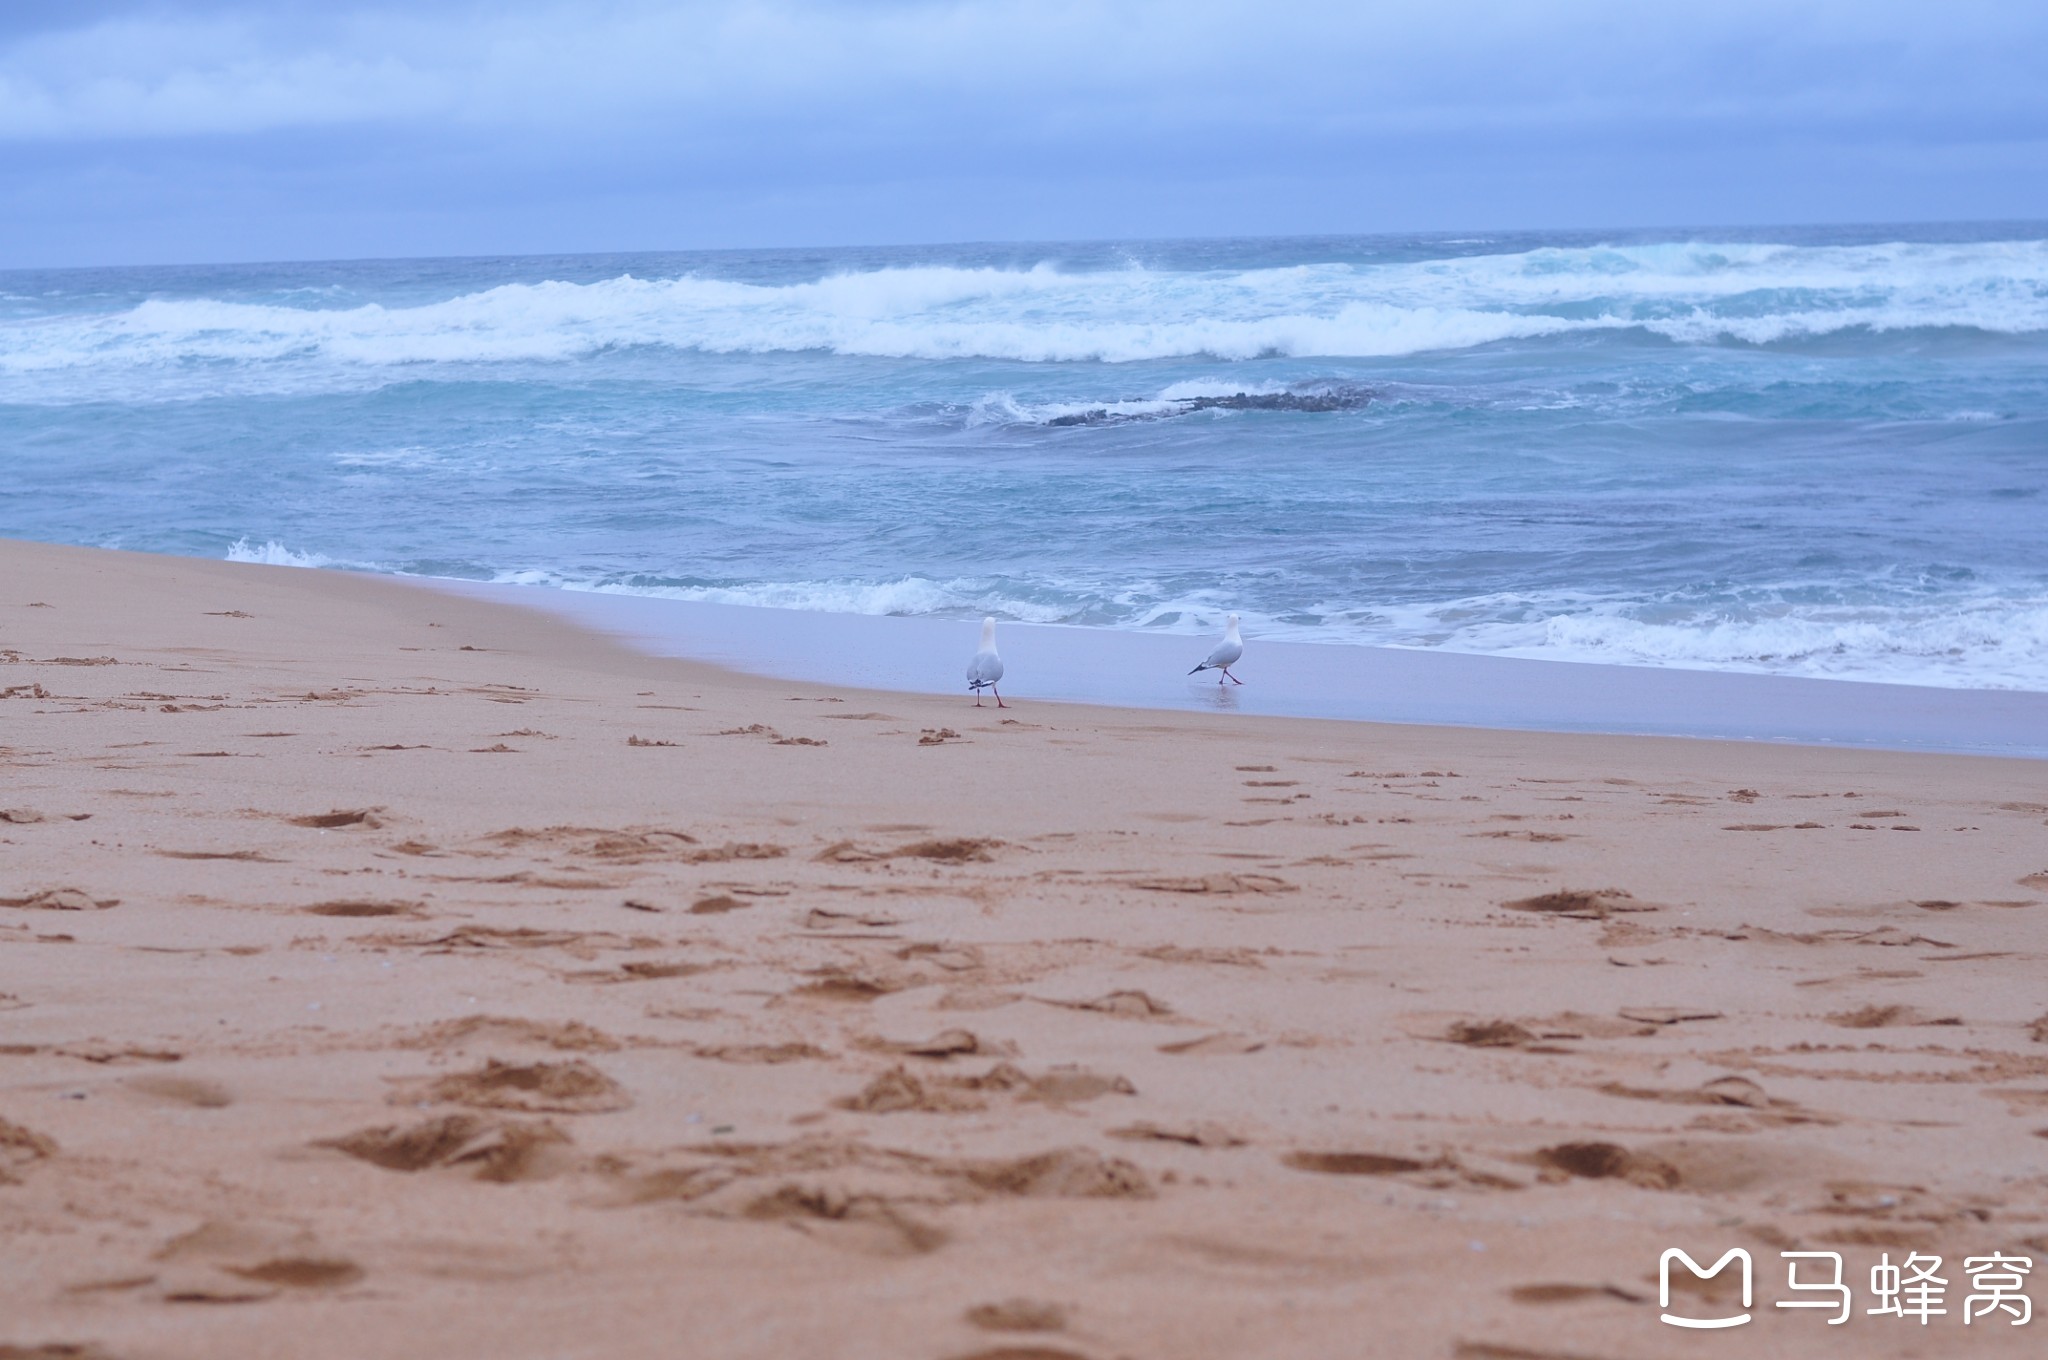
x=1044 y=67
x=532 y=124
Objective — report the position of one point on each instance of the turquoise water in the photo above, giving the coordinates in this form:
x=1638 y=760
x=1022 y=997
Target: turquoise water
x=1810 y=452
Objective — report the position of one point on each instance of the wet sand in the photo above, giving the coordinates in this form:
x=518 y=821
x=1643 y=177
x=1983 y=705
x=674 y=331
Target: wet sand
x=1362 y=684
x=387 y=973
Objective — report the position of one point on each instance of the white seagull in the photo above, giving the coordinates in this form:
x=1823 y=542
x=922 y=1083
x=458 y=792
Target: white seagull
x=1226 y=654
x=987 y=667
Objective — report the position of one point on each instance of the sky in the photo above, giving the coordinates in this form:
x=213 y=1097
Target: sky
x=173 y=131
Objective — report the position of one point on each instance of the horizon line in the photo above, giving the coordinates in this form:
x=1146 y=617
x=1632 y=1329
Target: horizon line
x=1689 y=231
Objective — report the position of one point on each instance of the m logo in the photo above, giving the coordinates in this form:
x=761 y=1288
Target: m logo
x=1664 y=1286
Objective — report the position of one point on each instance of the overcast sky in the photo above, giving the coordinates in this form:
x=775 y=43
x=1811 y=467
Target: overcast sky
x=215 y=130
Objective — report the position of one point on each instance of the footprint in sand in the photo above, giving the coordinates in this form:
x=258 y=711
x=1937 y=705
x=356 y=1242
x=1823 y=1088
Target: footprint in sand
x=896 y=1091
x=1668 y=1015
x=1132 y=1005
x=761 y=1053
x=1353 y=1163
x=256 y=1253
x=340 y=817
x=1607 y=1161
x=571 y=1035
x=1728 y=1090
x=499 y=937
x=948 y=1043
x=1581 y=903
x=1204 y=1134
x=21 y=1147
x=193 y=1091
x=1887 y=1017
x=61 y=899
x=1216 y=883
x=865 y=1223
x=1489 y=1034
x=1069 y=1173
x=1018 y=1315
x=359 y=908
x=302 y=1272
x=819 y=918
x=1572 y=1293
x=640 y=970
x=732 y=1186
x=947 y=850
x=555 y=1088
x=1215 y=1045
x=1073 y=1085
x=500 y=1151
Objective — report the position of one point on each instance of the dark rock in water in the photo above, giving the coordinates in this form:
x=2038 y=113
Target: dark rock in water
x=1283 y=401
x=1313 y=402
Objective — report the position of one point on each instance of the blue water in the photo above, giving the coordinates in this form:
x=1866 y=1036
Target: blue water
x=1804 y=451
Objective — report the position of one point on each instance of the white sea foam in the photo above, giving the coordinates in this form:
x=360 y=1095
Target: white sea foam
x=1692 y=293
x=274 y=554
x=1988 y=641
x=908 y=595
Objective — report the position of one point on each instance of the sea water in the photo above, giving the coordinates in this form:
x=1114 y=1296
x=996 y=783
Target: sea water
x=1815 y=452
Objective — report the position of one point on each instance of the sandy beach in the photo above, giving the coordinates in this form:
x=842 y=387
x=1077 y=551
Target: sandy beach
x=386 y=973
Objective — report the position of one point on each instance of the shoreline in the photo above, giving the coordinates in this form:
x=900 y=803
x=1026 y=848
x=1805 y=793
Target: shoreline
x=1125 y=669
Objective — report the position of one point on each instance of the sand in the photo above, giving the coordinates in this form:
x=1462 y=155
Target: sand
x=388 y=974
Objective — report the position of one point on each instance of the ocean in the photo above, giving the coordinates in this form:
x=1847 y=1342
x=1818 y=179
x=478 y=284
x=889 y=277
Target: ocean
x=1807 y=452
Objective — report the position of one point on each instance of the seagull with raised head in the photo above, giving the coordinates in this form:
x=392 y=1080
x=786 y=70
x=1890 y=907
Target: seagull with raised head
x=987 y=667
x=1226 y=654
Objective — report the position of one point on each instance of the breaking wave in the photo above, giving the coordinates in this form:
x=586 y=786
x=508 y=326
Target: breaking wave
x=1687 y=292
x=275 y=554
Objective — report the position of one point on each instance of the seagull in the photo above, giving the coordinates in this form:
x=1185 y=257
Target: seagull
x=1222 y=659
x=987 y=667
